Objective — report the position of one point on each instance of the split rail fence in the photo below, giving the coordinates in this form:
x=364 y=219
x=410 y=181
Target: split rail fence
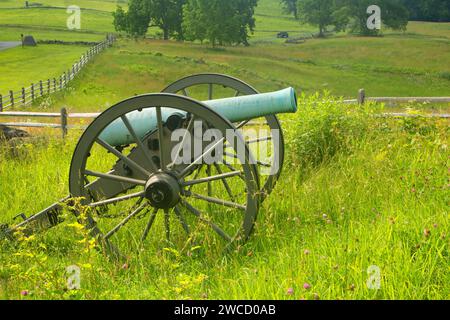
x=64 y=116
x=27 y=95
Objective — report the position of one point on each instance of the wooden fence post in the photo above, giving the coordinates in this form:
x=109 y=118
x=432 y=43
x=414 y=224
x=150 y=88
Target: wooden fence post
x=41 y=88
x=361 y=96
x=23 y=95
x=1 y=103
x=48 y=86
x=32 y=92
x=64 y=122
x=60 y=82
x=11 y=98
x=54 y=84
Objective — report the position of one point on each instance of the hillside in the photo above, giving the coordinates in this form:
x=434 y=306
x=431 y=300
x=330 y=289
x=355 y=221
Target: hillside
x=396 y=64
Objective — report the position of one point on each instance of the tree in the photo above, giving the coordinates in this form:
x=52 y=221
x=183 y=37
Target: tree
x=165 y=14
x=394 y=15
x=168 y=15
x=221 y=22
x=290 y=7
x=428 y=10
x=135 y=22
x=321 y=13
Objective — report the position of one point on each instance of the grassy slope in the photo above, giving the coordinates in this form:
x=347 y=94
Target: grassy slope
x=148 y=66
x=393 y=65
x=355 y=199
x=47 y=23
x=375 y=188
x=37 y=60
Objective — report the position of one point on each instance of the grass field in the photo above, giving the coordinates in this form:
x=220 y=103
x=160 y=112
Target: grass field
x=368 y=192
x=393 y=65
x=29 y=63
x=357 y=191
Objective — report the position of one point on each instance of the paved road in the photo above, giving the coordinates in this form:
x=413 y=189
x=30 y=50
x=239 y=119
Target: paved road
x=9 y=44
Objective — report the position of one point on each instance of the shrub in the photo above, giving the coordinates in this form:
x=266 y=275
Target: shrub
x=321 y=128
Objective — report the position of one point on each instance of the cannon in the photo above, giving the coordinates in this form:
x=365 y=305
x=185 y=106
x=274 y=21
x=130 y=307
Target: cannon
x=205 y=167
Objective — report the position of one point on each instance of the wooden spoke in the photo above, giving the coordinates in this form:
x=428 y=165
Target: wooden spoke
x=199 y=215
x=209 y=173
x=225 y=182
x=262 y=139
x=243 y=123
x=188 y=130
x=125 y=221
x=167 y=224
x=182 y=220
x=145 y=150
x=118 y=199
x=122 y=157
x=209 y=179
x=210 y=91
x=261 y=163
x=162 y=154
x=115 y=178
x=199 y=159
x=196 y=175
x=149 y=225
x=215 y=200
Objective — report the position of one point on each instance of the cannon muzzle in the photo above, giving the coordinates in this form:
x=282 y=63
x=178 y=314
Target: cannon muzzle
x=234 y=109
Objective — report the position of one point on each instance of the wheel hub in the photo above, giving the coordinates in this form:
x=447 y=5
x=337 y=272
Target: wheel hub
x=163 y=191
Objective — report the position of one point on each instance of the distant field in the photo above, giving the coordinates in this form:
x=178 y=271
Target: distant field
x=25 y=65
x=400 y=64
x=100 y=21
x=103 y=5
x=340 y=66
x=12 y=33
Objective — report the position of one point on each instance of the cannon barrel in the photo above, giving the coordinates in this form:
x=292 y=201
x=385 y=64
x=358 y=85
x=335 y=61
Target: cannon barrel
x=234 y=109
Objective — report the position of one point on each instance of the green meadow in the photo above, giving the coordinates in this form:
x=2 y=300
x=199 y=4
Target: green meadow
x=358 y=192
x=397 y=64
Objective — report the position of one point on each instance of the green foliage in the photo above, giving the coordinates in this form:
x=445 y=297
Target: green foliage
x=323 y=129
x=220 y=22
x=394 y=15
x=168 y=15
x=351 y=13
x=321 y=13
x=428 y=10
x=290 y=7
x=165 y=14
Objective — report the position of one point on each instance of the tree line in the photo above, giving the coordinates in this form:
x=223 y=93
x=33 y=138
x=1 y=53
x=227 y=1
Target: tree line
x=428 y=10
x=352 y=14
x=224 y=22
x=218 y=21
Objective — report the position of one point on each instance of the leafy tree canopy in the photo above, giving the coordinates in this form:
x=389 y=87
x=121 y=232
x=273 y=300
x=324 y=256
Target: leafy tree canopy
x=221 y=22
x=141 y=14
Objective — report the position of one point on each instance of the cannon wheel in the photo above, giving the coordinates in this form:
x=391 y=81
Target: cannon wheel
x=184 y=86
x=228 y=221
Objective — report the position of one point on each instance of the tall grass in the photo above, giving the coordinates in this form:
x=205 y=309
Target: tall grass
x=356 y=191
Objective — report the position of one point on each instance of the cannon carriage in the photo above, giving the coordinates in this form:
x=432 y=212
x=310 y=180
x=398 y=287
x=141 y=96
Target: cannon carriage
x=204 y=167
